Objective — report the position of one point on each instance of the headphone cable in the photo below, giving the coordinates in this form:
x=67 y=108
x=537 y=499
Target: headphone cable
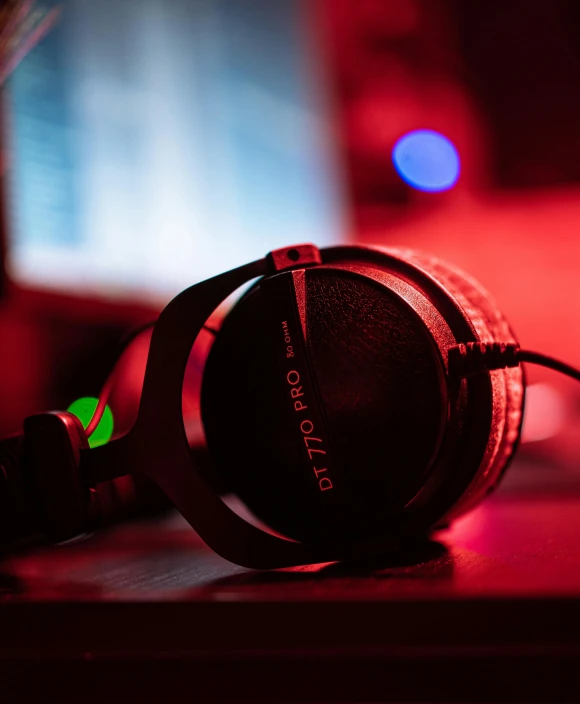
x=110 y=382
x=469 y=359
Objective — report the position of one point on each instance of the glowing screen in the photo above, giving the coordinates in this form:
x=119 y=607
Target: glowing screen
x=156 y=143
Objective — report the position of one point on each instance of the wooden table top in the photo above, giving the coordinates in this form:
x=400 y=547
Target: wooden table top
x=490 y=609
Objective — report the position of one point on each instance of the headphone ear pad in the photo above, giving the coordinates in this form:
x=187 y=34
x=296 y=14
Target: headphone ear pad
x=508 y=385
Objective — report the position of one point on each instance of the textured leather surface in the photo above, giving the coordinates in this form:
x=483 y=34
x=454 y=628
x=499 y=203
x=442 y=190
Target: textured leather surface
x=376 y=371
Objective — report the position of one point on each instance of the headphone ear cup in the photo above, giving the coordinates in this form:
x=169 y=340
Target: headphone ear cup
x=377 y=379
x=50 y=462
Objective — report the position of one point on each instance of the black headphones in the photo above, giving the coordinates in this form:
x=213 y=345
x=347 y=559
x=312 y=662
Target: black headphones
x=347 y=400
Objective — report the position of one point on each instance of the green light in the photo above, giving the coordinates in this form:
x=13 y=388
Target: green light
x=83 y=409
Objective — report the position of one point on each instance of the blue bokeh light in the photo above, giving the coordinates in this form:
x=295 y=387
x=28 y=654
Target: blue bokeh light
x=426 y=160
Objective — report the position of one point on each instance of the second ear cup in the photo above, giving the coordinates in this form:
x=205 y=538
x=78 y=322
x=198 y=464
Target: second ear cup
x=376 y=379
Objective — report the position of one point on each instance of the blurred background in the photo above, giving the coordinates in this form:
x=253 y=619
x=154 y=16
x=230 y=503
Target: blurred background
x=148 y=145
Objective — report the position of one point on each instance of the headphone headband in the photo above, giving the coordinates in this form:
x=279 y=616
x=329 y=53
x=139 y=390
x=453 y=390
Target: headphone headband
x=158 y=441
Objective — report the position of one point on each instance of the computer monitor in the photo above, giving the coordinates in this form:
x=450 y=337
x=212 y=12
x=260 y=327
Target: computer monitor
x=155 y=143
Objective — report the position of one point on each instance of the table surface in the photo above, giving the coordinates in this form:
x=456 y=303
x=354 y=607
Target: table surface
x=495 y=598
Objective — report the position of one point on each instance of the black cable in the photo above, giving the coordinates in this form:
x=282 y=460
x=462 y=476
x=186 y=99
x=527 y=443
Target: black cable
x=468 y=359
x=545 y=361
x=128 y=338
x=126 y=341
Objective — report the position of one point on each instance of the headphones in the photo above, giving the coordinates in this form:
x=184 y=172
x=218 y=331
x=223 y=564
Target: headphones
x=354 y=399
